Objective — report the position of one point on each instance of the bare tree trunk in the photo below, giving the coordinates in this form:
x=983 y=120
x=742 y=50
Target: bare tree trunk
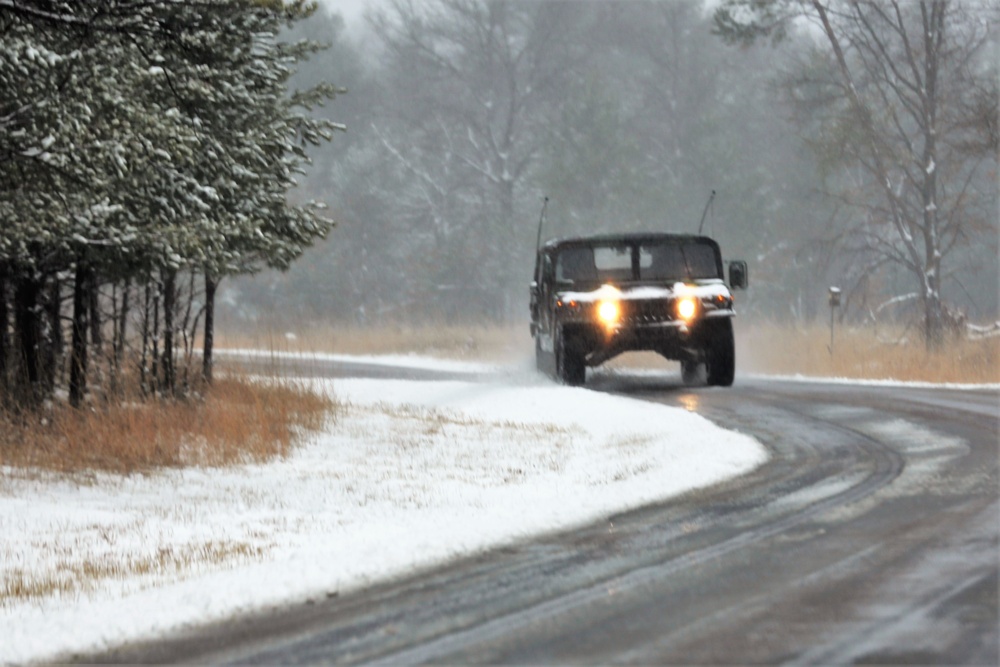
x=145 y=341
x=121 y=329
x=188 y=329
x=154 y=333
x=54 y=349
x=211 y=285
x=94 y=305
x=4 y=328
x=27 y=322
x=169 y=306
x=933 y=35
x=78 y=354
x=150 y=349
x=115 y=377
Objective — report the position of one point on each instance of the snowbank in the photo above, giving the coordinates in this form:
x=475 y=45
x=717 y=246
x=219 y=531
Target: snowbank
x=410 y=475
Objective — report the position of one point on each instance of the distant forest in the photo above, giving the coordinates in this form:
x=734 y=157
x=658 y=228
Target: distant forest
x=849 y=144
x=165 y=163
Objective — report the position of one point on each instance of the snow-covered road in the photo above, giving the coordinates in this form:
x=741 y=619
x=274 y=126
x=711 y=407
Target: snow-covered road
x=410 y=475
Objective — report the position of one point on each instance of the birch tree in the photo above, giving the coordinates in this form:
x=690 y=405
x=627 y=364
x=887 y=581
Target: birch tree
x=905 y=76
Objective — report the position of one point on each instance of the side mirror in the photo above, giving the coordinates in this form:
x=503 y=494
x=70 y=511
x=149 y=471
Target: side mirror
x=738 y=277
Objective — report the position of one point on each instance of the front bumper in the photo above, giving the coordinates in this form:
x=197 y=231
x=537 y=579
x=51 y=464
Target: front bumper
x=672 y=338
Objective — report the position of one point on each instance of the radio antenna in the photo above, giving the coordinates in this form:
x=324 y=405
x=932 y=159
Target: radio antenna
x=541 y=219
x=701 y=225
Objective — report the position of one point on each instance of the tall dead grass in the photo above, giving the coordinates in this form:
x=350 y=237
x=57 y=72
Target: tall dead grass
x=236 y=420
x=787 y=349
x=487 y=343
x=864 y=353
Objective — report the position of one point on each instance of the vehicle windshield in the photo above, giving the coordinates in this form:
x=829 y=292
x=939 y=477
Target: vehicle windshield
x=677 y=261
x=659 y=261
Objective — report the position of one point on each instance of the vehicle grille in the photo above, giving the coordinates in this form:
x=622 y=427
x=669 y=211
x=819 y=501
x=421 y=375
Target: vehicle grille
x=647 y=311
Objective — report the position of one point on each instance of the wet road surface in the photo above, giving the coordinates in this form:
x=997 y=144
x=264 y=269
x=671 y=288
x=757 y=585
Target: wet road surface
x=872 y=535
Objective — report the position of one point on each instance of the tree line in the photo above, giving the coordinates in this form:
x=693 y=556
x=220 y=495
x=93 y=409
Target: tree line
x=147 y=150
x=464 y=114
x=908 y=100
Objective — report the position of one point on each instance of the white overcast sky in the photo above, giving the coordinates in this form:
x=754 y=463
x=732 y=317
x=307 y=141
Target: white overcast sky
x=351 y=10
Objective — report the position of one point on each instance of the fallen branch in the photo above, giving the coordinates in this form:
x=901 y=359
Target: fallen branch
x=974 y=332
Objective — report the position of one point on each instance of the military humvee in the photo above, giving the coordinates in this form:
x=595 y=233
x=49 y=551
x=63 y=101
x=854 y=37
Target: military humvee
x=596 y=297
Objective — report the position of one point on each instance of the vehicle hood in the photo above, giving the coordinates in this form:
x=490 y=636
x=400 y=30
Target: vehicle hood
x=703 y=289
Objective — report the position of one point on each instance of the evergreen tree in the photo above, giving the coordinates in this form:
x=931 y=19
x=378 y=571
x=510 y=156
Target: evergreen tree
x=140 y=140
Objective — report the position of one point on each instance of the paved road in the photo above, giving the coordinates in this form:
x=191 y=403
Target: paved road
x=873 y=535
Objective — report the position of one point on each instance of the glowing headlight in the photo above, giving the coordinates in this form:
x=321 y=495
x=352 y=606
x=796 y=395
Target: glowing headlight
x=686 y=308
x=608 y=311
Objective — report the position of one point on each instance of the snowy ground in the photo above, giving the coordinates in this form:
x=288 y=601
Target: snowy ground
x=411 y=474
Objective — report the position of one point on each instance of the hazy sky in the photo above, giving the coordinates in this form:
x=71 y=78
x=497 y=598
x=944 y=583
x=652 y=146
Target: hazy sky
x=351 y=10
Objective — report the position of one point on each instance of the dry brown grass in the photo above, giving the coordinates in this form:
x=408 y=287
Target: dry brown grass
x=236 y=420
x=864 y=353
x=446 y=341
x=72 y=578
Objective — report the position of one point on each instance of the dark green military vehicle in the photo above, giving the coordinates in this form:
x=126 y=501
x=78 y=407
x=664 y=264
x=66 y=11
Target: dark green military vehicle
x=596 y=297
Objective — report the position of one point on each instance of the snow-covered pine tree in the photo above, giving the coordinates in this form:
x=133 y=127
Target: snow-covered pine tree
x=139 y=140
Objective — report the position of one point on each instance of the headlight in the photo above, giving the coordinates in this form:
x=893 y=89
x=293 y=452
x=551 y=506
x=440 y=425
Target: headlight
x=687 y=308
x=608 y=311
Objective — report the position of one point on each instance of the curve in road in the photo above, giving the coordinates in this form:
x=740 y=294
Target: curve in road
x=872 y=535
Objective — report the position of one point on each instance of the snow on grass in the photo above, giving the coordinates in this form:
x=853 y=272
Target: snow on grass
x=414 y=361
x=411 y=474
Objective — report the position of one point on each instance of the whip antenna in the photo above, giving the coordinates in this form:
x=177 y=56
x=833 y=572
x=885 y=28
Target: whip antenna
x=701 y=225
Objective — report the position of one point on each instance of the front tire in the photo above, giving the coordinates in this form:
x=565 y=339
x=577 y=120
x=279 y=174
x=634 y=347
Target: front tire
x=569 y=364
x=721 y=355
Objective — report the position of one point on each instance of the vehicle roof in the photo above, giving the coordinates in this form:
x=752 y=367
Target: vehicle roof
x=630 y=237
